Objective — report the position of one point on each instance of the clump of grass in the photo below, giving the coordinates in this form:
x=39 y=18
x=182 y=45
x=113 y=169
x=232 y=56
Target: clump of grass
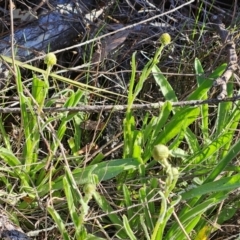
x=132 y=197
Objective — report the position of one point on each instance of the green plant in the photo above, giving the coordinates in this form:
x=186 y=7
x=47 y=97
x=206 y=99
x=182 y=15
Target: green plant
x=39 y=175
x=176 y=199
x=173 y=126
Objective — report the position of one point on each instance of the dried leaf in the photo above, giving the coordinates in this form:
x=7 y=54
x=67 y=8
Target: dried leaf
x=92 y=125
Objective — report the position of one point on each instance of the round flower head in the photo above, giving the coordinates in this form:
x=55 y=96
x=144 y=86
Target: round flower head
x=50 y=59
x=89 y=188
x=165 y=39
x=175 y=172
x=160 y=152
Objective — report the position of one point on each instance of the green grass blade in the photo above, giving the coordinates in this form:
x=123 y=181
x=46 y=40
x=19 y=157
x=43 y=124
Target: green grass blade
x=57 y=219
x=152 y=130
x=209 y=150
x=192 y=141
x=128 y=228
x=230 y=124
x=206 y=84
x=164 y=85
x=104 y=171
x=71 y=206
x=129 y=128
x=9 y=157
x=115 y=220
x=223 y=184
x=204 y=108
x=224 y=109
x=132 y=81
x=145 y=229
x=143 y=197
x=127 y=201
x=187 y=219
x=39 y=91
x=179 y=122
x=5 y=135
x=232 y=153
x=144 y=75
x=28 y=151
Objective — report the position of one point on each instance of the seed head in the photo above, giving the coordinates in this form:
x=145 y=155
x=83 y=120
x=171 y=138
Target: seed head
x=160 y=152
x=89 y=188
x=50 y=59
x=165 y=39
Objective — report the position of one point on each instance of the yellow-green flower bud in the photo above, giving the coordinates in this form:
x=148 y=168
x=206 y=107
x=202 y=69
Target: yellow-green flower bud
x=89 y=188
x=165 y=39
x=175 y=172
x=50 y=59
x=160 y=152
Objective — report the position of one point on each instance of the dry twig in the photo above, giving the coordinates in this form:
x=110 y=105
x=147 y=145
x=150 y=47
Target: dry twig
x=232 y=66
x=117 y=108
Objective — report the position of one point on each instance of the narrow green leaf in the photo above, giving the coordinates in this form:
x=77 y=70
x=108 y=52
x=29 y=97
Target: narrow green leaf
x=152 y=130
x=208 y=150
x=144 y=75
x=204 y=108
x=104 y=171
x=192 y=141
x=129 y=128
x=132 y=81
x=206 y=84
x=144 y=226
x=4 y=135
x=127 y=201
x=223 y=184
x=39 y=90
x=164 y=85
x=128 y=228
x=144 y=200
x=232 y=153
x=137 y=147
x=71 y=206
x=9 y=157
x=190 y=218
x=115 y=220
x=59 y=222
x=179 y=122
x=224 y=110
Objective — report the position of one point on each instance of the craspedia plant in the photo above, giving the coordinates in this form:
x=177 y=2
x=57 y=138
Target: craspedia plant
x=89 y=189
x=165 y=39
x=160 y=152
x=50 y=59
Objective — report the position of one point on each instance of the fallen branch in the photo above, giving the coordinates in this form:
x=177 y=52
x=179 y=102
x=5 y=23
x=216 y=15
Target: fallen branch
x=227 y=40
x=114 y=108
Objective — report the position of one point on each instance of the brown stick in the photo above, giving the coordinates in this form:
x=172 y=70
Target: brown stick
x=117 y=108
x=232 y=66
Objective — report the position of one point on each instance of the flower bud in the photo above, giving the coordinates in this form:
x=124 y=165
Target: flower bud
x=165 y=39
x=50 y=59
x=89 y=188
x=175 y=172
x=160 y=152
